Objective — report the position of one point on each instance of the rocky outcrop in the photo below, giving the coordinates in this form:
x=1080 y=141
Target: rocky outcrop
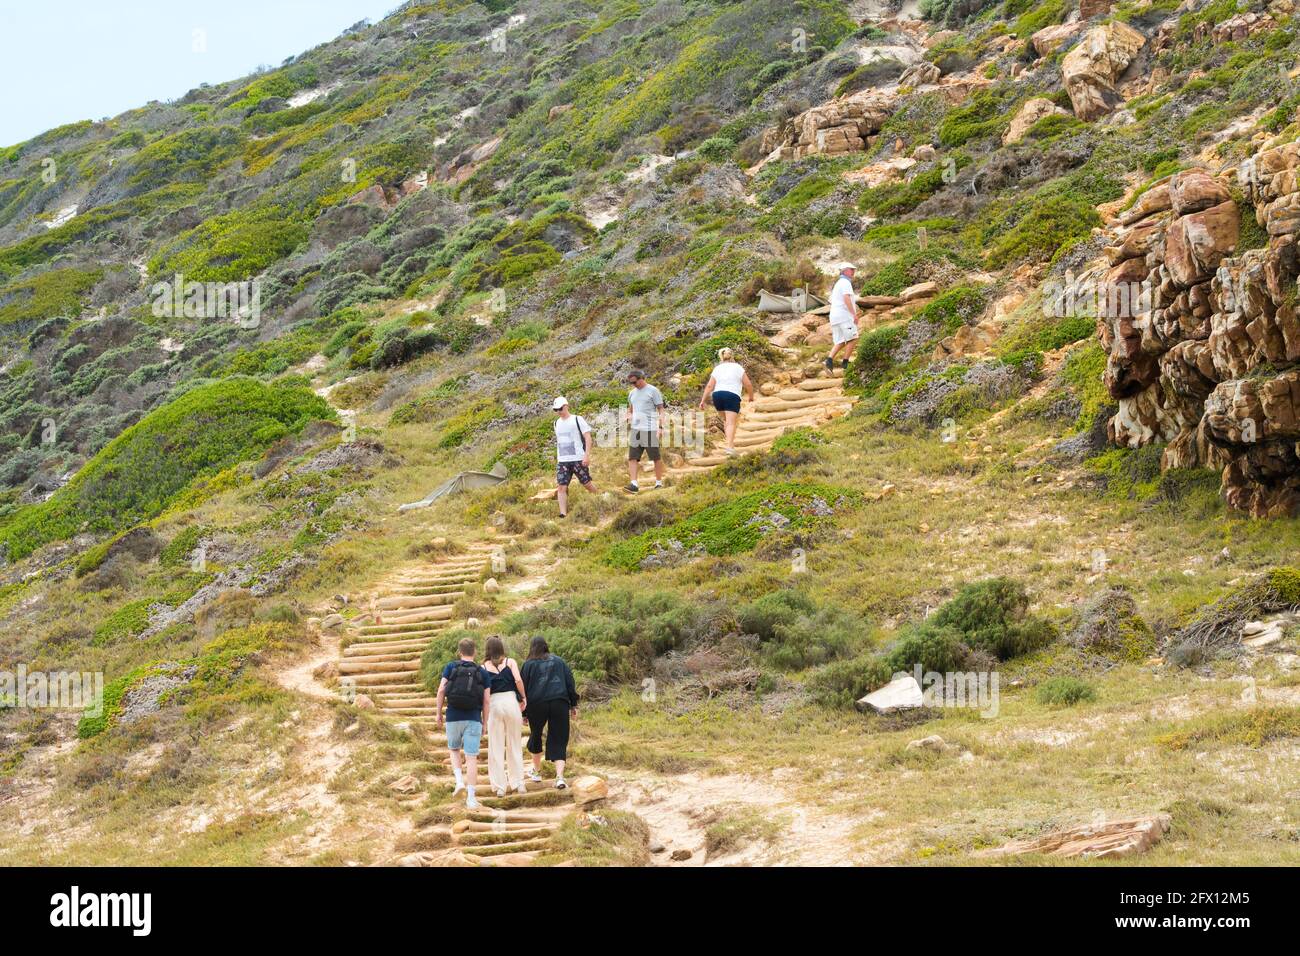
x=840 y=126
x=1092 y=67
x=1029 y=114
x=1212 y=364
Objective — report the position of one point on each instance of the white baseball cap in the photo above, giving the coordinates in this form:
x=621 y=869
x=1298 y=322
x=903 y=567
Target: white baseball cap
x=848 y=266
x=559 y=402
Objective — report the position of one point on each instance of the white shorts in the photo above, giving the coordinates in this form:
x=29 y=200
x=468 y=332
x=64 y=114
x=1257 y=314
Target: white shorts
x=843 y=333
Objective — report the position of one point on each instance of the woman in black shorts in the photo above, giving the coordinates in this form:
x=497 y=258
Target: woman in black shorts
x=552 y=700
x=726 y=382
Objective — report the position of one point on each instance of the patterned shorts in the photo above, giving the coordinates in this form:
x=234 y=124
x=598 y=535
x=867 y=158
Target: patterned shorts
x=566 y=470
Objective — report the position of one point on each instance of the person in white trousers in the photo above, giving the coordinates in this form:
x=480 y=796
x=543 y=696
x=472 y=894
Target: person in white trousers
x=505 y=721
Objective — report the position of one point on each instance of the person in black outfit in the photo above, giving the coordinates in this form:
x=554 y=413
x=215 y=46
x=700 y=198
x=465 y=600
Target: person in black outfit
x=552 y=700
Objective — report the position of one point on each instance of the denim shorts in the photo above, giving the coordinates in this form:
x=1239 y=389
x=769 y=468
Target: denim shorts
x=464 y=735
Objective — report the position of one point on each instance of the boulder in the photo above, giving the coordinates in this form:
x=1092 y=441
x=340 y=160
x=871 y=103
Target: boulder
x=901 y=693
x=589 y=789
x=1195 y=244
x=363 y=702
x=1091 y=69
x=1193 y=190
x=1050 y=39
x=1029 y=114
x=922 y=290
x=490 y=586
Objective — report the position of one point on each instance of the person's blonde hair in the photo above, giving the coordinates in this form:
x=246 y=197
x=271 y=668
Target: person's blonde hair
x=725 y=354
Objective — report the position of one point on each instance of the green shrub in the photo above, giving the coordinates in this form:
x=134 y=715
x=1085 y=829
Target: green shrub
x=993 y=616
x=875 y=355
x=841 y=683
x=931 y=647
x=795 y=633
x=738 y=524
x=1064 y=692
x=144 y=469
x=615 y=635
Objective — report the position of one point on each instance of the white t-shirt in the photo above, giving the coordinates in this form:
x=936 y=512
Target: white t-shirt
x=840 y=315
x=728 y=377
x=568 y=440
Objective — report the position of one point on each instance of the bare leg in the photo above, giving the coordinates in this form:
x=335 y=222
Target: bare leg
x=471 y=771
x=590 y=486
x=559 y=770
x=455 y=760
x=730 y=427
x=562 y=496
x=848 y=349
x=633 y=465
x=659 y=470
x=537 y=763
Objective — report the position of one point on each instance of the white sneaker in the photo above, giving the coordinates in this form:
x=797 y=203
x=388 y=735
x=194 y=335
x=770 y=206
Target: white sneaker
x=521 y=789
x=534 y=776
x=561 y=785
x=460 y=788
x=659 y=484
x=471 y=803
x=500 y=791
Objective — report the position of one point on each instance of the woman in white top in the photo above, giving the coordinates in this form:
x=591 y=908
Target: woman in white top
x=726 y=383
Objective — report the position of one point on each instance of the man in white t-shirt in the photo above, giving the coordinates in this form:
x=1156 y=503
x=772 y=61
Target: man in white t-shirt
x=572 y=452
x=844 y=318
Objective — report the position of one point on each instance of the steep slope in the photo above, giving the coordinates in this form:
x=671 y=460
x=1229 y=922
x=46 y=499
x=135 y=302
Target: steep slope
x=1074 y=241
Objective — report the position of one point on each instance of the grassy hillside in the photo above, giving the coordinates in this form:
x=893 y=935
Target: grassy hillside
x=465 y=209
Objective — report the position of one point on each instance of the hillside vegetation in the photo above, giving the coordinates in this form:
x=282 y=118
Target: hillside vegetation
x=457 y=213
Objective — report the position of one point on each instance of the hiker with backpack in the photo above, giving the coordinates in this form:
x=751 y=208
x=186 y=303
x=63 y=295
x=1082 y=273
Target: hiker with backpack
x=726 y=382
x=464 y=687
x=572 y=452
x=505 y=720
x=645 y=403
x=552 y=700
x=843 y=317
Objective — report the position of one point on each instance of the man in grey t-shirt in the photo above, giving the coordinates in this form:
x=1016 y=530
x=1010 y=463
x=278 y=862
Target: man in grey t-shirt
x=644 y=403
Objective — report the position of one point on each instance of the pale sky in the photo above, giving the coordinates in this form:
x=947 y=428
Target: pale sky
x=68 y=60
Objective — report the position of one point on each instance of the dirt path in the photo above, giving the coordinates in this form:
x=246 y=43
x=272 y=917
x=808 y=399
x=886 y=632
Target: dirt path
x=680 y=809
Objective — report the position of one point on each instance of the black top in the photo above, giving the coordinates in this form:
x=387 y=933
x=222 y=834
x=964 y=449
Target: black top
x=503 y=682
x=548 y=678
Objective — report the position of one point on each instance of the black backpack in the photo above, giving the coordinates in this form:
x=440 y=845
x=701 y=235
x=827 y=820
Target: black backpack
x=465 y=686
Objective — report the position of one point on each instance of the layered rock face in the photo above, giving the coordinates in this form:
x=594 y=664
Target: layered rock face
x=1211 y=363
x=840 y=126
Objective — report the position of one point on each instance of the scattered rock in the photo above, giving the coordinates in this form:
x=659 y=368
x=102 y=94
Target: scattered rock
x=406 y=784
x=681 y=855
x=901 y=693
x=589 y=789
x=933 y=743
x=490 y=586
x=363 y=702
x=1111 y=839
x=1029 y=114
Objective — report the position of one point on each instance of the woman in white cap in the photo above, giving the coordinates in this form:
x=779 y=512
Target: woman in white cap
x=726 y=382
x=844 y=317
x=572 y=452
